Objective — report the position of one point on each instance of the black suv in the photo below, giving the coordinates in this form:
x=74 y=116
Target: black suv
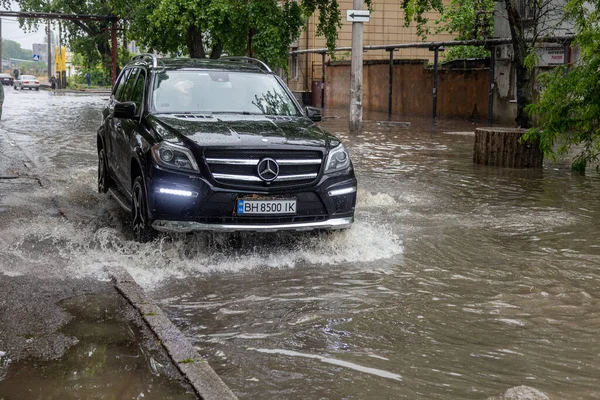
x=221 y=145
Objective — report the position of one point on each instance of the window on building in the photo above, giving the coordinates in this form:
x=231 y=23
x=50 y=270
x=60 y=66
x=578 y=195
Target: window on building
x=527 y=9
x=294 y=67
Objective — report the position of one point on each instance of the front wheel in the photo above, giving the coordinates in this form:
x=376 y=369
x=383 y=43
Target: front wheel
x=103 y=177
x=142 y=231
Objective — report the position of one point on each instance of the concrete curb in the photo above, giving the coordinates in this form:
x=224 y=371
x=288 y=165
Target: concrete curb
x=205 y=381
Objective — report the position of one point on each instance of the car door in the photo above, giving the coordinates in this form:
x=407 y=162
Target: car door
x=126 y=137
x=110 y=123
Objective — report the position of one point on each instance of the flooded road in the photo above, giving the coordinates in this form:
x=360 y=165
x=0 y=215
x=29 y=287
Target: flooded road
x=456 y=281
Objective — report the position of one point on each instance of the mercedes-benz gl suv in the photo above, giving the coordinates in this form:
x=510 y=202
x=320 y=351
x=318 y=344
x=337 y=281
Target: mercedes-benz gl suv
x=221 y=145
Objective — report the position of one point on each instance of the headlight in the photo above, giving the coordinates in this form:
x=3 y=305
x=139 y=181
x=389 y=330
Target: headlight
x=173 y=156
x=337 y=160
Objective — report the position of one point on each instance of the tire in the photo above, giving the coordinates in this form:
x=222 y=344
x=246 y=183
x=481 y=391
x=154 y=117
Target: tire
x=104 y=181
x=140 y=222
x=14 y=87
x=37 y=88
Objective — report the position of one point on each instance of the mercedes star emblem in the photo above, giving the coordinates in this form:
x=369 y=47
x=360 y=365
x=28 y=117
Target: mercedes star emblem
x=267 y=169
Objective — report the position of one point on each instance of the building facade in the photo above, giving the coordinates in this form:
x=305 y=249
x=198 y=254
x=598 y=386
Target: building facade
x=386 y=26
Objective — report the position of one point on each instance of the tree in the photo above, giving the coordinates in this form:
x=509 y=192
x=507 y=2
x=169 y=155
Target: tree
x=255 y=28
x=12 y=49
x=469 y=20
x=568 y=111
x=90 y=38
x=528 y=20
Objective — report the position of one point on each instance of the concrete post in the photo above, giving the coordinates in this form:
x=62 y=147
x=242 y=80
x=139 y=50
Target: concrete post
x=356 y=73
x=50 y=60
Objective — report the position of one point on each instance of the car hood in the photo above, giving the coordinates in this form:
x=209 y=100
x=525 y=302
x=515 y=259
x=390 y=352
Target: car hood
x=242 y=130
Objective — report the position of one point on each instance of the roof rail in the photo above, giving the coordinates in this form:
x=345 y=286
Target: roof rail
x=146 y=55
x=261 y=64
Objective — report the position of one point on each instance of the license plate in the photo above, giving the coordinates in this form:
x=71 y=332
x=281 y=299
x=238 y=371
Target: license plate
x=272 y=207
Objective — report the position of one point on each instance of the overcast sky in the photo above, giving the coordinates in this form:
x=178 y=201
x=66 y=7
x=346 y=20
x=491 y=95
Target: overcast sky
x=11 y=31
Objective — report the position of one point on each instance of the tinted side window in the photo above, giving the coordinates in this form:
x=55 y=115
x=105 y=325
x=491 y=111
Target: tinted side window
x=128 y=89
x=137 y=94
x=118 y=91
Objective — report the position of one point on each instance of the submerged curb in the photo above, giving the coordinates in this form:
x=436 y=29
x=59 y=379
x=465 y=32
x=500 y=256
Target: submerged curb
x=205 y=381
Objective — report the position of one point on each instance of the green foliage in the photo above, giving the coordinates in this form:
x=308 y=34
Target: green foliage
x=464 y=52
x=256 y=28
x=568 y=112
x=467 y=19
x=415 y=11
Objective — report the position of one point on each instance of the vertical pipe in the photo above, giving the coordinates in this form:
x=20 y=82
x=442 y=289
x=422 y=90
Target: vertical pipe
x=492 y=85
x=307 y=55
x=435 y=81
x=59 y=55
x=322 y=80
x=390 y=84
x=49 y=51
x=114 y=50
x=356 y=72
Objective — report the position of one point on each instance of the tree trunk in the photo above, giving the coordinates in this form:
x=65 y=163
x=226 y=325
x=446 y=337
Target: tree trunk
x=501 y=147
x=195 y=43
x=249 y=51
x=524 y=76
x=216 y=50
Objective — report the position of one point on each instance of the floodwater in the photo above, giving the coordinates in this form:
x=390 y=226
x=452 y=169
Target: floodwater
x=456 y=281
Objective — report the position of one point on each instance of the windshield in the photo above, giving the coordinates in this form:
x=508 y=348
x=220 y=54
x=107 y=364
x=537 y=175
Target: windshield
x=220 y=92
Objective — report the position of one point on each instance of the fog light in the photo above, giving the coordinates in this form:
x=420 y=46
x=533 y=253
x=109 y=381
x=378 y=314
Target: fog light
x=339 y=192
x=175 y=192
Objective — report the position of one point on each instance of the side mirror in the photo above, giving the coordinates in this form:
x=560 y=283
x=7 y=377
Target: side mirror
x=314 y=114
x=125 y=110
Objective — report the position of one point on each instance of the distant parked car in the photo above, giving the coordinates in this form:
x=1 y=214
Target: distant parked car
x=6 y=79
x=26 y=82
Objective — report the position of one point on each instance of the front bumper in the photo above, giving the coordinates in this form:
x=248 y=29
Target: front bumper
x=191 y=226
x=180 y=203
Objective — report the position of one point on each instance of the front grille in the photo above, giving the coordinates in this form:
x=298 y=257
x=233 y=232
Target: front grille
x=240 y=167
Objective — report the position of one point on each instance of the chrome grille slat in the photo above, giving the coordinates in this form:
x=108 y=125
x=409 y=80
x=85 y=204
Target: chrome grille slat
x=315 y=161
x=229 y=161
x=300 y=177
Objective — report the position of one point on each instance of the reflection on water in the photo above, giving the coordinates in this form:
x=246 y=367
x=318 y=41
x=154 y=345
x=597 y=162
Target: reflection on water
x=457 y=281
x=105 y=360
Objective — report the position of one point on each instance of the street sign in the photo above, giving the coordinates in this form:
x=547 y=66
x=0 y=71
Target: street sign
x=357 y=15
x=36 y=57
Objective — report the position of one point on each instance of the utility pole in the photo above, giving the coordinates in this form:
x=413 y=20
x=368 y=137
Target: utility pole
x=49 y=50
x=357 y=17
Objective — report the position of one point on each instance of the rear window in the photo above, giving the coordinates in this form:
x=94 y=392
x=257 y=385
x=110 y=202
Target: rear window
x=26 y=77
x=189 y=91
